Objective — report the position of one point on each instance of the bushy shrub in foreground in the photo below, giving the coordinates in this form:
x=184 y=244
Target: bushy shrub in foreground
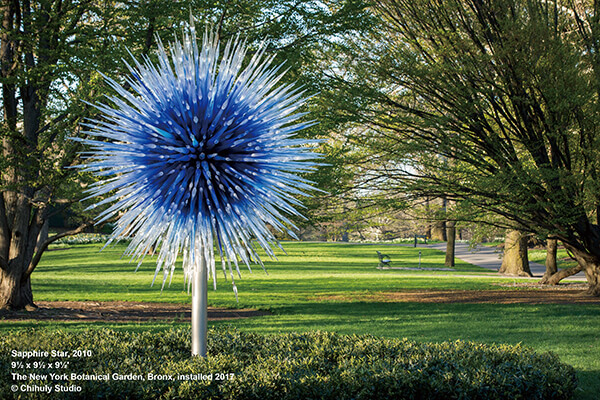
x=314 y=365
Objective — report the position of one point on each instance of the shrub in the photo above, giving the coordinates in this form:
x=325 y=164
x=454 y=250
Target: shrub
x=314 y=365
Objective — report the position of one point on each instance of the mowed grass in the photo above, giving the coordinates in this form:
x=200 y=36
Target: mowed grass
x=83 y=272
x=322 y=286
x=562 y=257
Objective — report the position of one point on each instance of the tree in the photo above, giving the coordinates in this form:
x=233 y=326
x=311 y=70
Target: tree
x=551 y=264
x=515 y=260
x=50 y=54
x=439 y=228
x=502 y=89
x=451 y=244
x=38 y=43
x=553 y=275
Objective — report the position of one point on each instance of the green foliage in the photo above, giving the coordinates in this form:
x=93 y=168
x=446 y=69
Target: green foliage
x=493 y=104
x=316 y=365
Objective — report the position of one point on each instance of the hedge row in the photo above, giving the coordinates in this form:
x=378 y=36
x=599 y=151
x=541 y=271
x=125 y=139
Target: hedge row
x=314 y=365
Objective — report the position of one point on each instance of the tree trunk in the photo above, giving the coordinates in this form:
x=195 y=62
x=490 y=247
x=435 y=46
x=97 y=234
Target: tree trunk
x=592 y=273
x=589 y=263
x=451 y=244
x=438 y=231
x=15 y=287
x=15 y=276
x=345 y=236
x=15 y=294
x=551 y=264
x=515 y=261
x=555 y=278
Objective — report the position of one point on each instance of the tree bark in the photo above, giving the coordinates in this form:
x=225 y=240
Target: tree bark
x=438 y=231
x=555 y=278
x=551 y=264
x=15 y=288
x=591 y=268
x=515 y=261
x=14 y=293
x=451 y=243
x=592 y=273
x=15 y=208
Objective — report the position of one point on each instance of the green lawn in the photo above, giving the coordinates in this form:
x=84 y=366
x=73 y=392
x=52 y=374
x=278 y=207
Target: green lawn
x=562 y=257
x=82 y=272
x=299 y=286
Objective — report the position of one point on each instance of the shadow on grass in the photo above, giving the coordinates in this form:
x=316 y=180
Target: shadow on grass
x=255 y=292
x=78 y=326
x=589 y=384
x=503 y=323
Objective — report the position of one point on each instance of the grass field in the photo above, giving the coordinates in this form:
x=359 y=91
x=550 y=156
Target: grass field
x=321 y=286
x=562 y=258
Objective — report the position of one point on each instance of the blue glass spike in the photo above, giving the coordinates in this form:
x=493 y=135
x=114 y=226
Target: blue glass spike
x=199 y=151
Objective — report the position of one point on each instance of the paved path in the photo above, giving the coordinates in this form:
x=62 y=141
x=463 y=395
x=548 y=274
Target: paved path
x=489 y=258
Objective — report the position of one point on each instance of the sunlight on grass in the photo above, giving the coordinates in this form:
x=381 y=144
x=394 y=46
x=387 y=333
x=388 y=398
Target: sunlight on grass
x=82 y=272
x=562 y=258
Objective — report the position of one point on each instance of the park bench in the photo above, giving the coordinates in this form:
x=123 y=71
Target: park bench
x=384 y=260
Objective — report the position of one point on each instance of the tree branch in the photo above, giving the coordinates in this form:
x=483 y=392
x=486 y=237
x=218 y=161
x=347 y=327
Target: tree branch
x=51 y=124
x=222 y=19
x=38 y=255
x=560 y=275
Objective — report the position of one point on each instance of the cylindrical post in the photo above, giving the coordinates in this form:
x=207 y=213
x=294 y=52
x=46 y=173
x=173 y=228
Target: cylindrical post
x=199 y=309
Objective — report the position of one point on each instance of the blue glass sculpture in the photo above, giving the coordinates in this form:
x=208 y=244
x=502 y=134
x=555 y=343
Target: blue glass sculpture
x=198 y=152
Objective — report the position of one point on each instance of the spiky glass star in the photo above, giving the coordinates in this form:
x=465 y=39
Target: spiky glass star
x=200 y=151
